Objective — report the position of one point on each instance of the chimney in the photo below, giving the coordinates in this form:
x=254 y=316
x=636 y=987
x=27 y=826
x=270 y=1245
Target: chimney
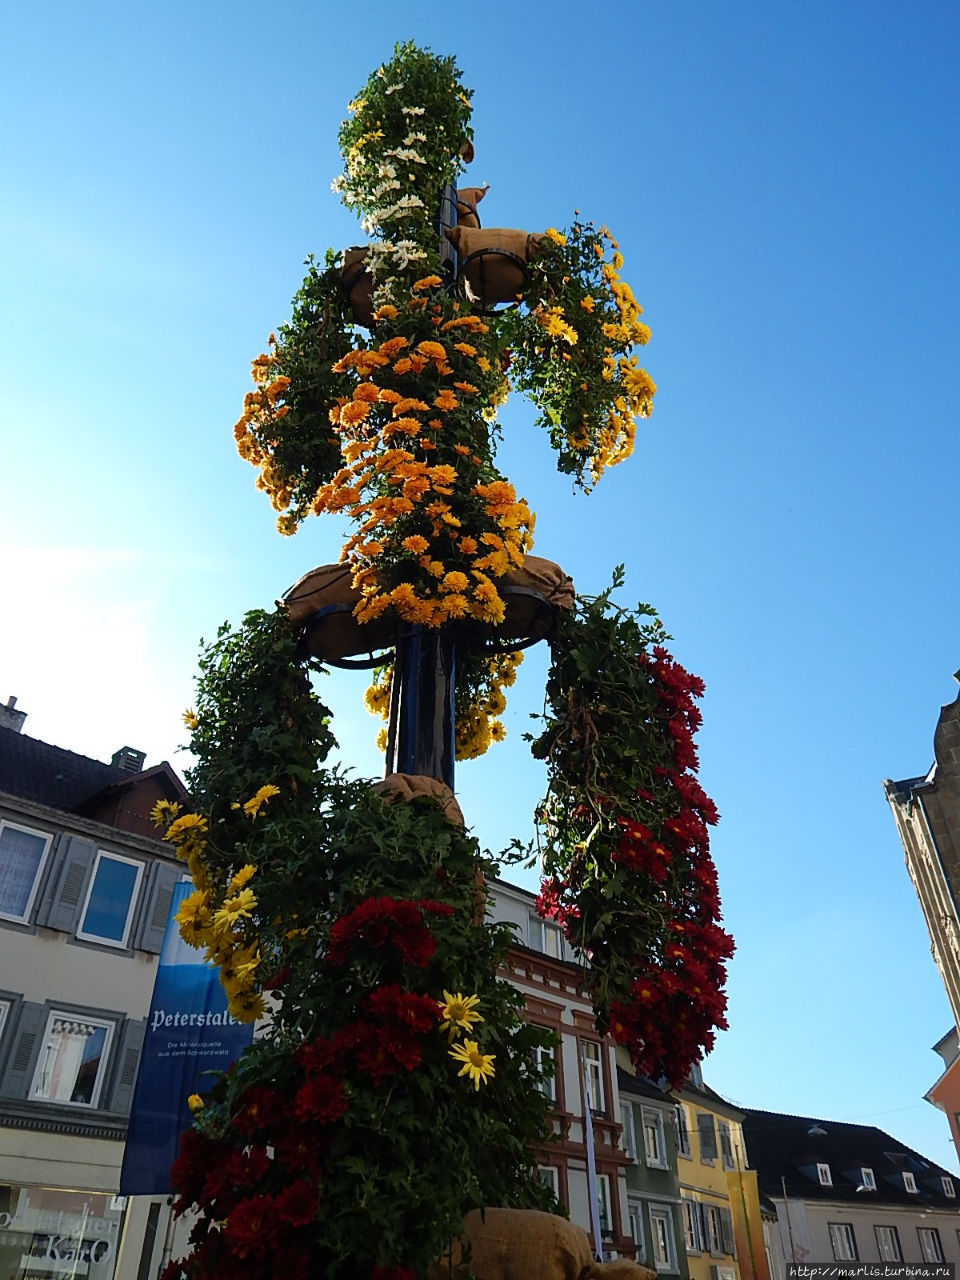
x=10 y=718
x=128 y=759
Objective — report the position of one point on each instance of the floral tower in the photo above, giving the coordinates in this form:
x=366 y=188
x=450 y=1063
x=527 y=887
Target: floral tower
x=395 y=1086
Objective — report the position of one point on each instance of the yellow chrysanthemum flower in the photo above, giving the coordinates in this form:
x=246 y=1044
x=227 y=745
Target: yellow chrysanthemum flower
x=190 y=719
x=256 y=802
x=478 y=1066
x=186 y=826
x=164 y=812
x=195 y=1102
x=458 y=1013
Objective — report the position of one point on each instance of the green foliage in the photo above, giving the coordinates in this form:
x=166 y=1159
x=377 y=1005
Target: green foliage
x=259 y=721
x=414 y=1144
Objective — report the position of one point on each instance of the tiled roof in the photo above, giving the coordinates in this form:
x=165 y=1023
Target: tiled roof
x=786 y=1150
x=34 y=770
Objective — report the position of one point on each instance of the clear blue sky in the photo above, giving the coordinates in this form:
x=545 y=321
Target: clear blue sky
x=783 y=181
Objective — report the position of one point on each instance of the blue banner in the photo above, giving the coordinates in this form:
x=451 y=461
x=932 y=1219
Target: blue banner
x=189 y=1032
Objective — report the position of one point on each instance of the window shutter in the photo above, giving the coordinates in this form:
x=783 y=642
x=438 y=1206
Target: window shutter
x=701 y=1213
x=708 y=1136
x=127 y=1064
x=24 y=1051
x=68 y=884
x=726 y=1227
x=629 y=1131
x=163 y=880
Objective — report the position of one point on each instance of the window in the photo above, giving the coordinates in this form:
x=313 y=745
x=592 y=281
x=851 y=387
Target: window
x=715 y=1230
x=823 y=1173
x=910 y=1183
x=110 y=900
x=842 y=1241
x=654 y=1144
x=629 y=1131
x=948 y=1188
x=603 y=1204
x=22 y=855
x=635 y=1220
x=4 y=1010
x=546 y=1059
x=692 y=1226
x=550 y=1177
x=931 y=1249
x=695 y=1076
x=661 y=1231
x=868 y=1180
x=888 y=1244
x=73 y=1059
x=683 y=1133
x=546 y=937
x=593 y=1075
x=726 y=1144
x=708 y=1138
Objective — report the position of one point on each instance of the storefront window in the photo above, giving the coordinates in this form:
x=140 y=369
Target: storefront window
x=48 y=1233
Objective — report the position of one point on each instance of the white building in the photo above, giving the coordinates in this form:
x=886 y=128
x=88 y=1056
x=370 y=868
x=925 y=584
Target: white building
x=85 y=891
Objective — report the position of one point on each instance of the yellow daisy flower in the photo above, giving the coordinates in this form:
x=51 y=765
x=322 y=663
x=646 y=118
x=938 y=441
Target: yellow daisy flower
x=478 y=1066
x=458 y=1013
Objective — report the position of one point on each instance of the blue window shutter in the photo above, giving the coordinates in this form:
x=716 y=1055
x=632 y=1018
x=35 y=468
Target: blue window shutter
x=163 y=879
x=127 y=1062
x=68 y=885
x=24 y=1051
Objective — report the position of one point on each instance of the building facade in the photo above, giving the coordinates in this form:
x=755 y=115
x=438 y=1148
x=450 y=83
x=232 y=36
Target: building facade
x=926 y=811
x=85 y=890
x=848 y=1193
x=719 y=1228
x=543 y=969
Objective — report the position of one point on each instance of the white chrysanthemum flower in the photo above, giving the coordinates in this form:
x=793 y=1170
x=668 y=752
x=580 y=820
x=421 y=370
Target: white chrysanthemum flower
x=405 y=153
x=394 y=88
x=414 y=111
x=339 y=182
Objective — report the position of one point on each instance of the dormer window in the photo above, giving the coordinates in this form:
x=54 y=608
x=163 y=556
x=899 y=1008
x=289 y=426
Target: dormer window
x=948 y=1188
x=823 y=1173
x=910 y=1183
x=867 y=1180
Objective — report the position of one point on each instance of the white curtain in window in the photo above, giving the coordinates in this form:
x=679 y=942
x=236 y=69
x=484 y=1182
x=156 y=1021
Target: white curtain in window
x=62 y=1057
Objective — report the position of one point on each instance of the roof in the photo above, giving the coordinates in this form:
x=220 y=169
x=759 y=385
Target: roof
x=786 y=1150
x=638 y=1086
x=908 y=786
x=61 y=779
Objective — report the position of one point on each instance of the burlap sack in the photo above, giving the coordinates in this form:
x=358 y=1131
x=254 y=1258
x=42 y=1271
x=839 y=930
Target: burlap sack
x=525 y=1244
x=407 y=786
x=337 y=634
x=492 y=261
x=467 y=200
x=524 y=613
x=356 y=286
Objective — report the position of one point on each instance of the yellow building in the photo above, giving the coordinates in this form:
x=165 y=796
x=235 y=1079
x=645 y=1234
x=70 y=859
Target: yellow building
x=720 y=1207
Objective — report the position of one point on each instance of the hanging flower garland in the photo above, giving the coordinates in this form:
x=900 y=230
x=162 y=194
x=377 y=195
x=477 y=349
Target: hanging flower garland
x=398 y=431
x=316 y=1154
x=574 y=350
x=627 y=868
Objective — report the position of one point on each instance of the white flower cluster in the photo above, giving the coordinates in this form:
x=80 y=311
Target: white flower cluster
x=414 y=111
x=406 y=153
